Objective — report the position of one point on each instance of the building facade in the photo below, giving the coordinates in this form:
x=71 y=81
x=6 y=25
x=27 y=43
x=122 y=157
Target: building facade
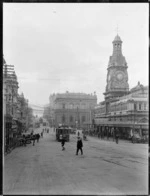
x=15 y=106
x=122 y=108
x=72 y=109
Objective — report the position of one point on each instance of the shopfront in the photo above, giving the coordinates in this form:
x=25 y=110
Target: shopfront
x=124 y=128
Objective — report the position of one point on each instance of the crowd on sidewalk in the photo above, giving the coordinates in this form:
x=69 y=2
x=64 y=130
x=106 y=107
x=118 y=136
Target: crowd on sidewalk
x=27 y=138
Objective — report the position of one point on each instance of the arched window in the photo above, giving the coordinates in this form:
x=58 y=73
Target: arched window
x=140 y=107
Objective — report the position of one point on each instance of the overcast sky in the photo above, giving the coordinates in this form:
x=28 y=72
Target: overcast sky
x=59 y=47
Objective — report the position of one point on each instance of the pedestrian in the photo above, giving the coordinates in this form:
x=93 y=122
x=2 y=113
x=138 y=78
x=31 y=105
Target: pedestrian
x=113 y=133
x=107 y=133
x=38 y=137
x=117 y=135
x=24 y=140
x=63 y=143
x=132 y=136
x=41 y=134
x=33 y=138
x=79 y=146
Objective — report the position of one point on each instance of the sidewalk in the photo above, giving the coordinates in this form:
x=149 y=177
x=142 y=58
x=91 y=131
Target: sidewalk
x=111 y=139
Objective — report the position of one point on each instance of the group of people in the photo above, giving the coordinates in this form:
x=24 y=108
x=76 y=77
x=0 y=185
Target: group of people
x=35 y=137
x=107 y=133
x=46 y=130
x=79 y=145
x=32 y=137
x=113 y=132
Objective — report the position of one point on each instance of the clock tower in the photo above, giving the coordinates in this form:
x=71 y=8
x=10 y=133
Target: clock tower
x=117 y=76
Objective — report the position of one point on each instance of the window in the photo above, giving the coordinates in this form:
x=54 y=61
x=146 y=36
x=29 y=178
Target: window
x=145 y=106
x=63 y=106
x=83 y=118
x=135 y=106
x=63 y=118
x=71 y=106
x=71 y=119
x=140 y=107
x=83 y=106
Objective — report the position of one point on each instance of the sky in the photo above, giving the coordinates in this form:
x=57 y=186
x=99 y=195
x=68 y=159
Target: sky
x=59 y=47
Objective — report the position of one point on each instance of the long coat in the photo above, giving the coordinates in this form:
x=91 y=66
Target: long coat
x=79 y=144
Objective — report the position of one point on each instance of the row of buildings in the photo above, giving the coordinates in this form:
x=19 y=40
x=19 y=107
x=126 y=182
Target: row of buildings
x=122 y=107
x=16 y=111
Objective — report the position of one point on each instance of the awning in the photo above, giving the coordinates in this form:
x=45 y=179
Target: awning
x=120 y=124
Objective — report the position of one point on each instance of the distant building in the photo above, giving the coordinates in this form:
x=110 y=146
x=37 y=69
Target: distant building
x=122 y=108
x=72 y=109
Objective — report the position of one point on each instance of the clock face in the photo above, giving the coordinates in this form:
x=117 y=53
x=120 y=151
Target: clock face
x=119 y=76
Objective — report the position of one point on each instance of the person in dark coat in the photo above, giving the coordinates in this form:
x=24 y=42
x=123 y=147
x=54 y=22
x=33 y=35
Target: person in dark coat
x=63 y=143
x=38 y=137
x=114 y=133
x=33 y=138
x=107 y=133
x=79 y=146
x=24 y=140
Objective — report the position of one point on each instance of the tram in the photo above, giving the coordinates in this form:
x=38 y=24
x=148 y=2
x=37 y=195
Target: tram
x=63 y=131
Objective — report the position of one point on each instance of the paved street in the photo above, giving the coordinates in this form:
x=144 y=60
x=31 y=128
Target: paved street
x=105 y=168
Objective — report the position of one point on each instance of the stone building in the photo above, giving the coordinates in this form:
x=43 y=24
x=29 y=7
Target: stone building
x=72 y=109
x=15 y=112
x=10 y=93
x=122 y=108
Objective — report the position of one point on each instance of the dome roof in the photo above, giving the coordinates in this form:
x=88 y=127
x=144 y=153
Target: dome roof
x=117 y=38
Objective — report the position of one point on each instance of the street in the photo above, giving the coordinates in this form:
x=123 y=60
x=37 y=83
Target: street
x=104 y=168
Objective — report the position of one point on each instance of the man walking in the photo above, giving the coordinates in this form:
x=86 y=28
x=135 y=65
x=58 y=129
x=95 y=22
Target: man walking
x=79 y=146
x=38 y=137
x=33 y=138
x=132 y=136
x=63 y=143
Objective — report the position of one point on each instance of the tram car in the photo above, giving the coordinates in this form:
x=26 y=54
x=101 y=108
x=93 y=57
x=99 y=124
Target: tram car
x=63 y=132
